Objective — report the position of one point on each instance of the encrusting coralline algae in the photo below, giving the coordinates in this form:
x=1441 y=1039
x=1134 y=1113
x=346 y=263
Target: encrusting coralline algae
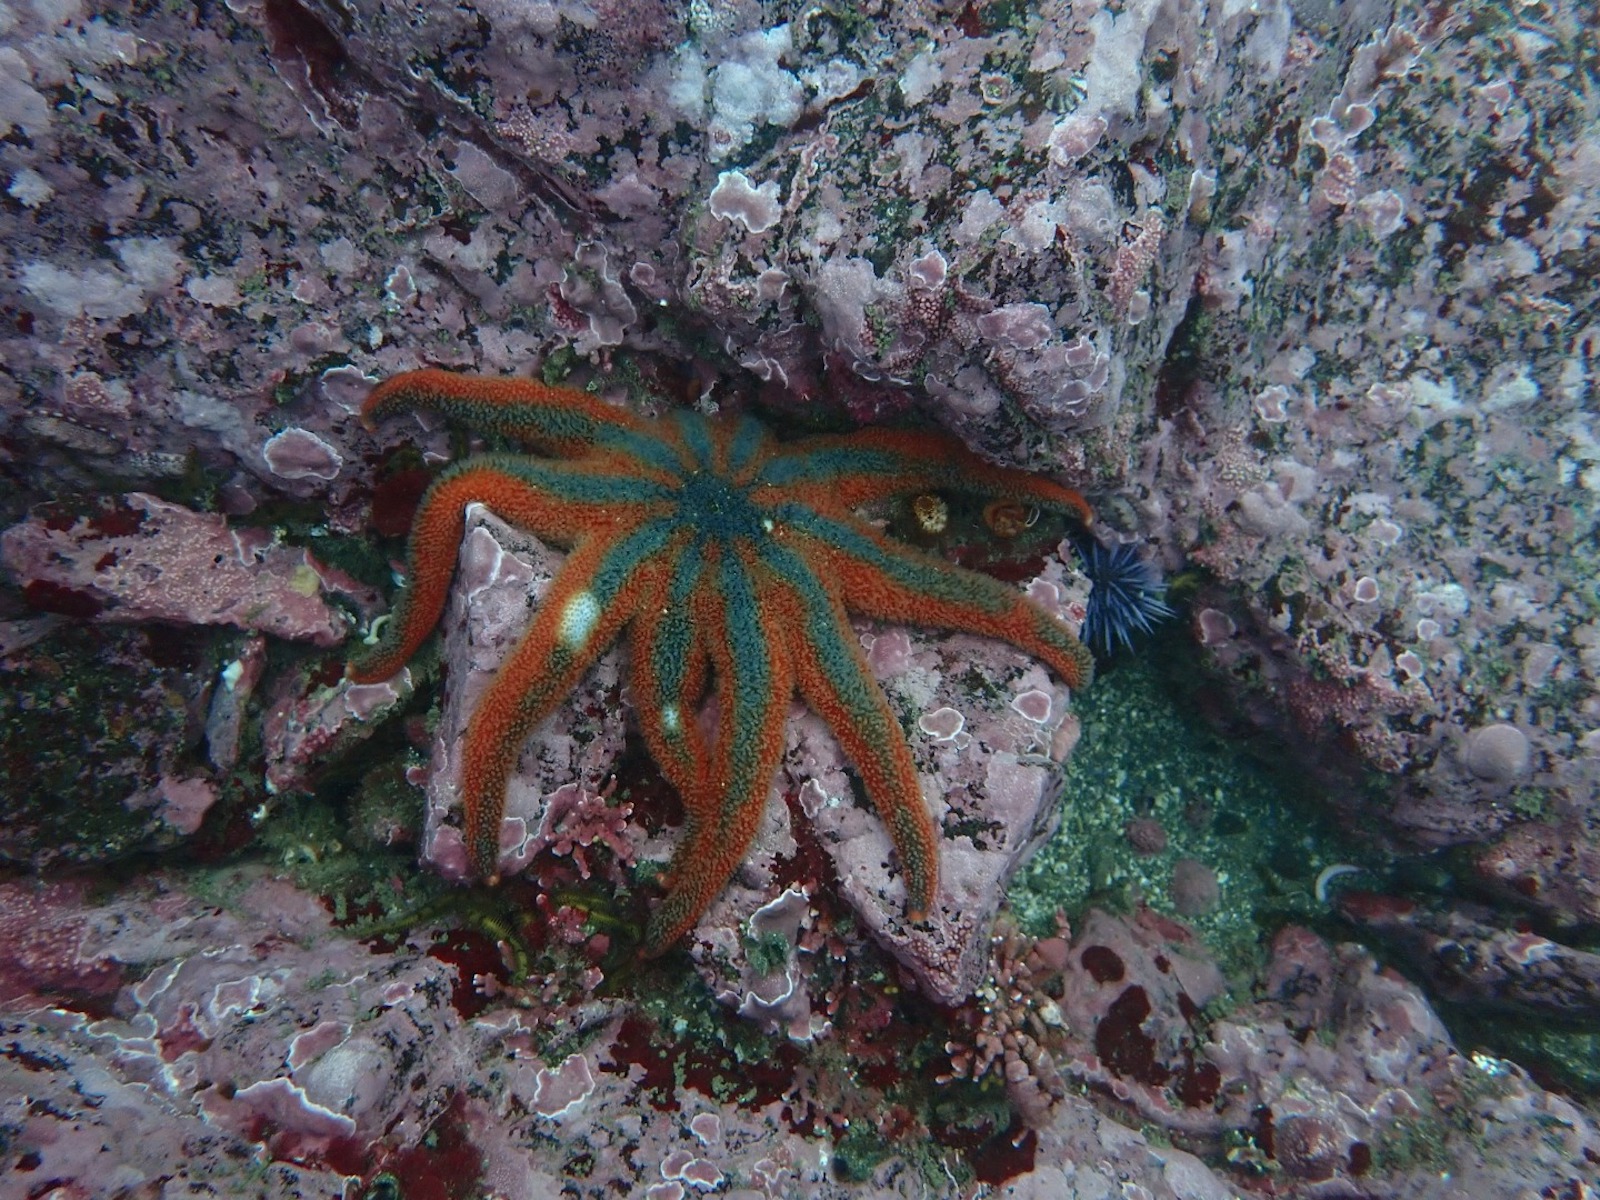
x=1301 y=296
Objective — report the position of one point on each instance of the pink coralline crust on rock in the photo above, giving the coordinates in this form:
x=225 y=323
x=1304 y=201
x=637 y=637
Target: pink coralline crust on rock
x=176 y=565
x=890 y=652
x=559 y=1093
x=336 y=1050
x=698 y=1172
x=1019 y=326
x=943 y=724
x=286 y=1105
x=1553 y=867
x=777 y=997
x=1131 y=1027
x=1214 y=627
x=592 y=300
x=149 y=340
x=185 y=272
x=1074 y=137
x=1034 y=704
x=213 y=996
x=184 y=802
x=1416 y=583
x=43 y=928
x=297 y=453
x=707 y=1127
x=1118 y=967
x=307 y=721
x=310 y=1044
x=737 y=198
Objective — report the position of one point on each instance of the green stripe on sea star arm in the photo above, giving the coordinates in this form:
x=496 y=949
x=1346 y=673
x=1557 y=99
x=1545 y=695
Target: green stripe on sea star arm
x=836 y=681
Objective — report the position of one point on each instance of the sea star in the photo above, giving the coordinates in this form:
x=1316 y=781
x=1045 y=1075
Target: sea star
x=727 y=557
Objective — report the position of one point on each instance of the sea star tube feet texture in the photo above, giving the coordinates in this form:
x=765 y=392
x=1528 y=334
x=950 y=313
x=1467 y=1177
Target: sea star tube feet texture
x=733 y=563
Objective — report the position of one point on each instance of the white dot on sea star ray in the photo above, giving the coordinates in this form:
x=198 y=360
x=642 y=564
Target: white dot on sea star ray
x=579 y=616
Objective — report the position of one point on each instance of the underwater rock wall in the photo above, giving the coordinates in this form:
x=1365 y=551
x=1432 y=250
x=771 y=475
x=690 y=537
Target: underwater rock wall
x=1302 y=295
x=1299 y=292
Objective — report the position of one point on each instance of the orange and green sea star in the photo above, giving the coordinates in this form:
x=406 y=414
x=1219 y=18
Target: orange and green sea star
x=729 y=559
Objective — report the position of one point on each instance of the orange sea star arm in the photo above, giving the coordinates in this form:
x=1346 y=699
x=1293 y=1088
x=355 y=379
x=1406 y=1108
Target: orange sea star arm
x=552 y=500
x=599 y=589
x=889 y=581
x=556 y=420
x=670 y=669
x=747 y=646
x=836 y=681
x=848 y=470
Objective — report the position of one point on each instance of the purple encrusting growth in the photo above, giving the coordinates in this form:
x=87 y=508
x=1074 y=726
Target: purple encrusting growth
x=1257 y=353
x=161 y=1040
x=1127 y=595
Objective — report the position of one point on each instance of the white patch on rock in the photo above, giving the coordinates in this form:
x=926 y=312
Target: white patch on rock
x=300 y=454
x=735 y=198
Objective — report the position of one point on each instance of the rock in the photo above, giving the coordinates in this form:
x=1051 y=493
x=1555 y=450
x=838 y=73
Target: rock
x=1498 y=753
x=144 y=559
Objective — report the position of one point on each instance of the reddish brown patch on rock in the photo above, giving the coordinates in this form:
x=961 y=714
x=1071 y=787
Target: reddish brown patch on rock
x=50 y=597
x=395 y=500
x=1004 y=1157
x=1308 y=1148
x=1103 y=964
x=1123 y=1045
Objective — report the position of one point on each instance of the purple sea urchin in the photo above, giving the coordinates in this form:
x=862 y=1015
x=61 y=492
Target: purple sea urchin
x=1127 y=594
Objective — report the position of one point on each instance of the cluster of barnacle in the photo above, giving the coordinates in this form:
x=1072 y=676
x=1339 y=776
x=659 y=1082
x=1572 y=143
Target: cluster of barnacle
x=1013 y=1024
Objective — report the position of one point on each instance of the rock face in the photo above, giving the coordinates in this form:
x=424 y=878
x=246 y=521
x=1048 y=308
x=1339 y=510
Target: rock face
x=1302 y=295
x=1225 y=240
x=155 y=1040
x=142 y=560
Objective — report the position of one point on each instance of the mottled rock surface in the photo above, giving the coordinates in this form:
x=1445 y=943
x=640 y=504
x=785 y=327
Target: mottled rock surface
x=154 y=1038
x=1302 y=295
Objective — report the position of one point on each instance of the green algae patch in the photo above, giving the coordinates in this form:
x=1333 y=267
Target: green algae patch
x=1147 y=756
x=100 y=731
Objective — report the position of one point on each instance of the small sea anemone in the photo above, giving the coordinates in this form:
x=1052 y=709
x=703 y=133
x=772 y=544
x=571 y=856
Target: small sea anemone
x=1007 y=519
x=1127 y=595
x=930 y=516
